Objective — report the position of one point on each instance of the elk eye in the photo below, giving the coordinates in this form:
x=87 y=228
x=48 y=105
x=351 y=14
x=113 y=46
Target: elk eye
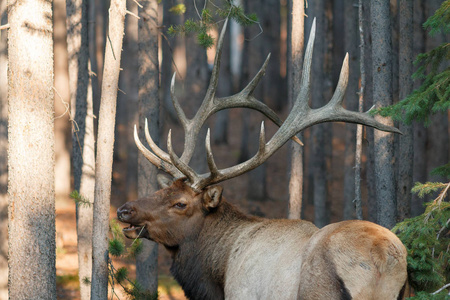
x=180 y=205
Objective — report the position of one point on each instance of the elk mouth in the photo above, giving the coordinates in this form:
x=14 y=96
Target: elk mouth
x=135 y=231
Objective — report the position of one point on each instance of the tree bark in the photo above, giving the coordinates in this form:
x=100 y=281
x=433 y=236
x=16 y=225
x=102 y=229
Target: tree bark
x=147 y=260
x=420 y=133
x=351 y=103
x=105 y=144
x=382 y=95
x=406 y=141
x=196 y=82
x=296 y=41
x=31 y=186
x=320 y=91
x=3 y=156
x=83 y=142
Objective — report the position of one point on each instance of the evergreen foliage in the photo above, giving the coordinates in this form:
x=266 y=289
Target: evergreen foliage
x=427 y=239
x=206 y=21
x=434 y=94
x=79 y=199
x=120 y=276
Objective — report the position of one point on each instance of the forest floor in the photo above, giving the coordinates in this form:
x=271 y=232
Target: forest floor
x=234 y=190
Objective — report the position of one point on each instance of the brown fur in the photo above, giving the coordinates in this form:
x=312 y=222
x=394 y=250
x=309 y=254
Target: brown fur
x=219 y=252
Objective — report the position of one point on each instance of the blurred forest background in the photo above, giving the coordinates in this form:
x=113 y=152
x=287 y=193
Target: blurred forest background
x=329 y=151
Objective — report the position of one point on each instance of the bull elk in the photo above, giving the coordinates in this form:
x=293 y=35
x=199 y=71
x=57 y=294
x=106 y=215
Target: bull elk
x=220 y=253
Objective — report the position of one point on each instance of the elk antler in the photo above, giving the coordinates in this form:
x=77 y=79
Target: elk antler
x=301 y=116
x=210 y=105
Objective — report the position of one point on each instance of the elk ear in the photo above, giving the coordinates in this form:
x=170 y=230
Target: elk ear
x=212 y=197
x=163 y=181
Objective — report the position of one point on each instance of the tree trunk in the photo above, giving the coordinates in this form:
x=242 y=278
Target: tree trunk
x=321 y=85
x=406 y=141
x=420 y=133
x=147 y=260
x=3 y=156
x=351 y=103
x=196 y=81
x=438 y=138
x=296 y=41
x=83 y=143
x=31 y=187
x=382 y=95
x=105 y=144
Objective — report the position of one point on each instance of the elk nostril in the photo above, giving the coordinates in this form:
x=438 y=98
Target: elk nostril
x=124 y=213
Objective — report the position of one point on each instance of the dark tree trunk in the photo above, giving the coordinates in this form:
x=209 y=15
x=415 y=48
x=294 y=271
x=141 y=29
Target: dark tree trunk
x=406 y=142
x=351 y=103
x=420 y=133
x=147 y=260
x=196 y=82
x=321 y=86
x=383 y=95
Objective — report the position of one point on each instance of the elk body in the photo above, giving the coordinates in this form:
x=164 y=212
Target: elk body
x=220 y=253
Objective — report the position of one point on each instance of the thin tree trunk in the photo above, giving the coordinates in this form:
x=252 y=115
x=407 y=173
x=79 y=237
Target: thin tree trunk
x=420 y=133
x=196 y=81
x=406 y=141
x=296 y=41
x=83 y=143
x=318 y=142
x=3 y=156
x=31 y=186
x=359 y=128
x=105 y=144
x=382 y=95
x=351 y=103
x=147 y=260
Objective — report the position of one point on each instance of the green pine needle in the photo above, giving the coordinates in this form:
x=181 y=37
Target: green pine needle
x=121 y=275
x=79 y=199
x=178 y=9
x=116 y=248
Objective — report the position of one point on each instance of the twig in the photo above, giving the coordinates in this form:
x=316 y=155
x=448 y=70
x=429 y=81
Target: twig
x=442 y=288
x=6 y=26
x=138 y=4
x=133 y=14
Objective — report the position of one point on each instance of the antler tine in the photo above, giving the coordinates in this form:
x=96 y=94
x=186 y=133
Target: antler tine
x=300 y=117
x=179 y=164
x=160 y=153
x=216 y=67
x=210 y=158
x=180 y=113
x=155 y=160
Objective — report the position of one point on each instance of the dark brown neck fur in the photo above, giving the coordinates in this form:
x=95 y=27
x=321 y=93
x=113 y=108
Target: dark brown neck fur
x=199 y=264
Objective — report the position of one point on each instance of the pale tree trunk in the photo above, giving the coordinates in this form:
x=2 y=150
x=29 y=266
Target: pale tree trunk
x=83 y=155
x=351 y=103
x=61 y=83
x=147 y=260
x=105 y=145
x=3 y=156
x=296 y=41
x=31 y=187
x=406 y=141
x=196 y=81
x=382 y=95
x=420 y=132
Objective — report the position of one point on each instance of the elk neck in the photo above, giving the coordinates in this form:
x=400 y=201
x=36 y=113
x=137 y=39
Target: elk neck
x=199 y=264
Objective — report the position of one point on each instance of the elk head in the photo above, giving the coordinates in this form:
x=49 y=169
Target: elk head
x=190 y=198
